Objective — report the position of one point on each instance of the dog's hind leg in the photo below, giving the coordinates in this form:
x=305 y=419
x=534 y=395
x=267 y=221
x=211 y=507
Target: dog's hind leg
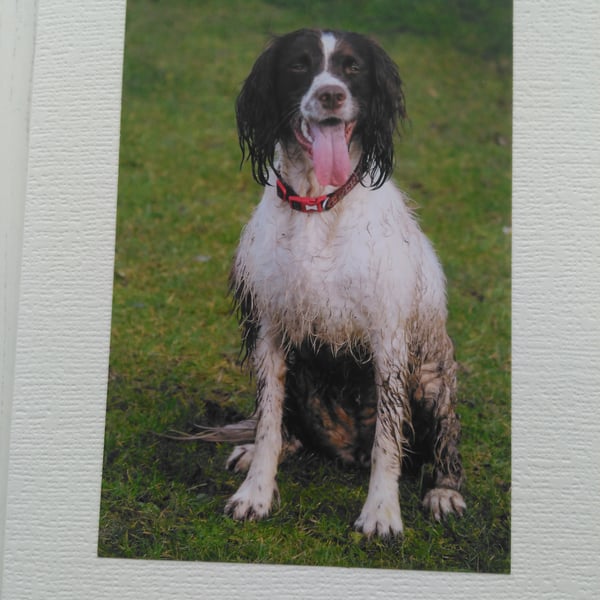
x=435 y=395
x=242 y=456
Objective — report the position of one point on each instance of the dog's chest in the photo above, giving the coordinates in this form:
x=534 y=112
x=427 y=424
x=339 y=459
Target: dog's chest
x=309 y=273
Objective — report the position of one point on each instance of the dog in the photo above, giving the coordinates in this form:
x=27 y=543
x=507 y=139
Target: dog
x=340 y=295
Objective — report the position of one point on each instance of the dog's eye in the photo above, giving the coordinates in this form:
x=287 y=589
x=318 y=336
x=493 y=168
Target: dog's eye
x=351 y=66
x=299 y=66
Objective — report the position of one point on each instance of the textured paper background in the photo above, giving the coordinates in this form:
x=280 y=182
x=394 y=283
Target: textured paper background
x=58 y=401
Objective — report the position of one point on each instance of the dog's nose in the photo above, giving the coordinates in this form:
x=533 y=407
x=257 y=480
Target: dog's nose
x=331 y=97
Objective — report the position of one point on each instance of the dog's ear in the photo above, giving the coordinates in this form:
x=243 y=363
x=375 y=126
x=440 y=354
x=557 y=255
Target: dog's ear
x=386 y=111
x=258 y=115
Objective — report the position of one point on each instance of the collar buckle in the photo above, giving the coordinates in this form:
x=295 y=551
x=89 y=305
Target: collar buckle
x=320 y=203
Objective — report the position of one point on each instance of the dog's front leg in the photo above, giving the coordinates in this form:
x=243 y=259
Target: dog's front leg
x=381 y=512
x=254 y=498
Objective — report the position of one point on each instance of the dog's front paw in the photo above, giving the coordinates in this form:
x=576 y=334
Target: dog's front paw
x=240 y=458
x=380 y=517
x=441 y=502
x=252 y=501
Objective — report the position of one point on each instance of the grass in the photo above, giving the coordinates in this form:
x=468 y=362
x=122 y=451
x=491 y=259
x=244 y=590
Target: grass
x=174 y=348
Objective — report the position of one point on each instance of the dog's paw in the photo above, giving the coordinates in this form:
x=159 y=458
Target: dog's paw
x=241 y=458
x=441 y=502
x=252 y=501
x=380 y=517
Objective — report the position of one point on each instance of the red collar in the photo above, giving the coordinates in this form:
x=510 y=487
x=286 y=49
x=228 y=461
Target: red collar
x=320 y=203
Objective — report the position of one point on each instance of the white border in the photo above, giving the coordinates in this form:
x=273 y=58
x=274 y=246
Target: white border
x=60 y=367
x=17 y=35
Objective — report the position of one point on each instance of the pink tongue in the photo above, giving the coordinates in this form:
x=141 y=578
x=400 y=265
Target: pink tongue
x=330 y=154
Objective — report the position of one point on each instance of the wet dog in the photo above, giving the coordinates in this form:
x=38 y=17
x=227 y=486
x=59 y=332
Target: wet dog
x=341 y=297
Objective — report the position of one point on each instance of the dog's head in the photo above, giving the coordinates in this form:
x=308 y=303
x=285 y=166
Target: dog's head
x=323 y=92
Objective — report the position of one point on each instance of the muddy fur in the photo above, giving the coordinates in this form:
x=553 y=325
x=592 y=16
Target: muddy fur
x=331 y=405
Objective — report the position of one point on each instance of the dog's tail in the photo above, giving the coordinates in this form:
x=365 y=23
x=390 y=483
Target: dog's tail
x=235 y=433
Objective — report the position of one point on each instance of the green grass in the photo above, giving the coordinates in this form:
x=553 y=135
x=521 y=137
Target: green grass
x=175 y=345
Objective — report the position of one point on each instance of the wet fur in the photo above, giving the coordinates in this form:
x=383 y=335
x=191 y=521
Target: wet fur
x=343 y=313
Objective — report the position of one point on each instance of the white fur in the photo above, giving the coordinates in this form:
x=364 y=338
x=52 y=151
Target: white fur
x=335 y=270
x=328 y=42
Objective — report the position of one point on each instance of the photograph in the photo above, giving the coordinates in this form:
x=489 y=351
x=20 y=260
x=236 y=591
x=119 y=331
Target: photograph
x=310 y=347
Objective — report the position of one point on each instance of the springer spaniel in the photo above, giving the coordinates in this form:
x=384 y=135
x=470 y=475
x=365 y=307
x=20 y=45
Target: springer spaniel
x=341 y=297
